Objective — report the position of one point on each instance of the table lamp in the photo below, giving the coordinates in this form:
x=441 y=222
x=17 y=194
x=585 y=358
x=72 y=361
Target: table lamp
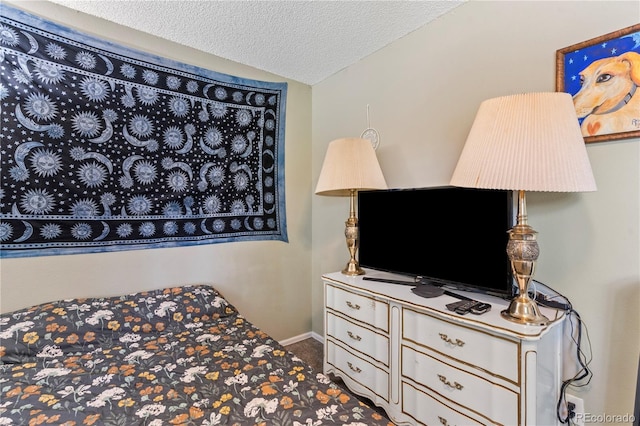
x=350 y=164
x=525 y=142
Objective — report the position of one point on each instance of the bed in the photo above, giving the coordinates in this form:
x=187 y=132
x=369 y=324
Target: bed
x=174 y=356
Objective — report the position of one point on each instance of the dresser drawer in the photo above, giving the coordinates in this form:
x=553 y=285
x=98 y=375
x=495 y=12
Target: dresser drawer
x=427 y=409
x=375 y=379
x=494 y=402
x=496 y=355
x=362 y=308
x=359 y=338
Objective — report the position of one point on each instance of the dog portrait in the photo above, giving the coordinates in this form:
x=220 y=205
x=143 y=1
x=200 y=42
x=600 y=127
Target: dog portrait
x=603 y=75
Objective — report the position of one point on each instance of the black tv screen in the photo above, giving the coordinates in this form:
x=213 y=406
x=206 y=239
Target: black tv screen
x=451 y=236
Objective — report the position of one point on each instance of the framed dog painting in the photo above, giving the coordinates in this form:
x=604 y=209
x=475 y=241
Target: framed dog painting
x=603 y=75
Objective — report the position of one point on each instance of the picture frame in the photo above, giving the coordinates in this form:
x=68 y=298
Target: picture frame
x=602 y=75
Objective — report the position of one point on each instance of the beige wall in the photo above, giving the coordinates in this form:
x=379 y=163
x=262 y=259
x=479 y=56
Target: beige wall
x=423 y=92
x=260 y=278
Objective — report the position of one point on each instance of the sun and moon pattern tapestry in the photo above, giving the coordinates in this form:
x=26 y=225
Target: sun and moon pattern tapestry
x=106 y=148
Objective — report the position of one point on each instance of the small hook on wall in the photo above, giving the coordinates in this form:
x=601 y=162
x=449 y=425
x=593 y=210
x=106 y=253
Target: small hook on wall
x=370 y=133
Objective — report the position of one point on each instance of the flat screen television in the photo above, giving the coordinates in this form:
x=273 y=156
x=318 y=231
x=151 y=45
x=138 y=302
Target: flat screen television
x=453 y=237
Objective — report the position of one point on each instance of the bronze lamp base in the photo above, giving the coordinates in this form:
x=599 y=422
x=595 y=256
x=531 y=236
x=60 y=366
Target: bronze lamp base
x=523 y=252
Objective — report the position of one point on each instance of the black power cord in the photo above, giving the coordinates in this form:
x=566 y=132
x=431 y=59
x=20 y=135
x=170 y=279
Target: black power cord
x=584 y=374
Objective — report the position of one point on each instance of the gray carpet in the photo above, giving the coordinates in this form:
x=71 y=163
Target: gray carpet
x=309 y=350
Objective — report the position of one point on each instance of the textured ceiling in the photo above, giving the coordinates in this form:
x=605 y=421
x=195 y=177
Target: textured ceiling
x=306 y=41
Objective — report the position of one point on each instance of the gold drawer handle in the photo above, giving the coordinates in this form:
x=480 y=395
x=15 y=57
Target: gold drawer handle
x=352 y=306
x=455 y=385
x=457 y=342
x=354 y=336
x=356 y=369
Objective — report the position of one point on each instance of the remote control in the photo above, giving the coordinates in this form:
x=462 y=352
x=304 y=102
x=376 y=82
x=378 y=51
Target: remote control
x=465 y=307
x=453 y=306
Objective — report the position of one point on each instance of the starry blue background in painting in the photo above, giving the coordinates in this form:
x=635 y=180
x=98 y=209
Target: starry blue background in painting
x=576 y=61
x=106 y=148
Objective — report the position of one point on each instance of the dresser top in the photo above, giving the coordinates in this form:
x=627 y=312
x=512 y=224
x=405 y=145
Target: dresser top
x=402 y=294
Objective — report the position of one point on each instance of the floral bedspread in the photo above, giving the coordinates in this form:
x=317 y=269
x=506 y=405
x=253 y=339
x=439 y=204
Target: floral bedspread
x=176 y=356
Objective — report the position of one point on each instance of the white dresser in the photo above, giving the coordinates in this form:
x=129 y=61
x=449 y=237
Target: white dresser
x=426 y=365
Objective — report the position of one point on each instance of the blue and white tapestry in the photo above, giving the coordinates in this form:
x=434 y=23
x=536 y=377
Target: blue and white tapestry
x=106 y=148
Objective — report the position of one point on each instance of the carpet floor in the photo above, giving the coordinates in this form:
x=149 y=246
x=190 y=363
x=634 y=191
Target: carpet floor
x=309 y=350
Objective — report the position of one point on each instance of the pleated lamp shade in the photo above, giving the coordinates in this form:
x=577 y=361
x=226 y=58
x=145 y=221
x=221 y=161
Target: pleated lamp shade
x=526 y=142
x=350 y=163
